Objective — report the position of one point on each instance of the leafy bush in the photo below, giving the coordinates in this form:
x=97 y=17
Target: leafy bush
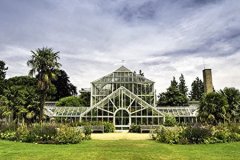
x=87 y=132
x=11 y=127
x=72 y=101
x=167 y=135
x=44 y=133
x=68 y=135
x=23 y=134
x=196 y=134
x=9 y=135
x=170 y=121
x=108 y=127
x=135 y=128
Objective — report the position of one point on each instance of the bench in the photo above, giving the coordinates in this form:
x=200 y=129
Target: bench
x=148 y=128
x=99 y=128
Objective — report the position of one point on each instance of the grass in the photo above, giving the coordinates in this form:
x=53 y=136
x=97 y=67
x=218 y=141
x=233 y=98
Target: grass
x=119 y=149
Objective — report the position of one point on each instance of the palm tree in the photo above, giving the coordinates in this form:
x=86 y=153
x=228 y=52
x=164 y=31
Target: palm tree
x=44 y=64
x=233 y=98
x=213 y=108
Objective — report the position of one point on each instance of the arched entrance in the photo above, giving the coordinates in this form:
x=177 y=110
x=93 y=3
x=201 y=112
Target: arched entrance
x=122 y=119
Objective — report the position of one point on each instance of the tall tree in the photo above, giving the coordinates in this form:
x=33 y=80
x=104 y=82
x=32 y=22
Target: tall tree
x=172 y=97
x=197 y=90
x=44 y=64
x=213 y=108
x=182 y=85
x=64 y=87
x=3 y=70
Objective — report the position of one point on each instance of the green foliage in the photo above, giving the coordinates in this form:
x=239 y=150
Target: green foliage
x=72 y=101
x=3 y=70
x=182 y=85
x=87 y=131
x=135 y=128
x=6 y=127
x=170 y=121
x=233 y=99
x=11 y=136
x=167 y=135
x=173 y=96
x=4 y=110
x=68 y=135
x=85 y=98
x=198 y=134
x=43 y=133
x=197 y=90
x=213 y=108
x=108 y=127
x=23 y=134
x=22 y=99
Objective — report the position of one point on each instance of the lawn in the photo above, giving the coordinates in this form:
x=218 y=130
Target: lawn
x=118 y=149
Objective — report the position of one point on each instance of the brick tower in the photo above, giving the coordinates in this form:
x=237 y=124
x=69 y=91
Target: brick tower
x=207 y=80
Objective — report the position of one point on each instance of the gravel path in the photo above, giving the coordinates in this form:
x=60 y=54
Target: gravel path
x=123 y=135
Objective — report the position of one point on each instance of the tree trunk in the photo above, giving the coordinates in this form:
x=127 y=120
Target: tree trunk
x=42 y=103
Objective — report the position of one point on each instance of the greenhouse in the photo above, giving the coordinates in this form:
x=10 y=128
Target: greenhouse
x=123 y=98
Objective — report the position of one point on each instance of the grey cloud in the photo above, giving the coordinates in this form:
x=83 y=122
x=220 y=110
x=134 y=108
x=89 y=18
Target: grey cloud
x=93 y=36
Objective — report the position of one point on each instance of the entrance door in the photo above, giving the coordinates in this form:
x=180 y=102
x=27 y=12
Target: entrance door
x=122 y=119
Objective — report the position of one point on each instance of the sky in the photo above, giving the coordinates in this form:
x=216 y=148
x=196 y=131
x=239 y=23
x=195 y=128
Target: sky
x=163 y=38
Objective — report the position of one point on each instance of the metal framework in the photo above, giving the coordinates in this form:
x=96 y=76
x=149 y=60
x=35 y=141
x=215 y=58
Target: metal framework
x=123 y=98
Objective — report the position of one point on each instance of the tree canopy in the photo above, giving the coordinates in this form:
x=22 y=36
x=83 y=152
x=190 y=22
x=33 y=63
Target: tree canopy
x=213 y=108
x=182 y=85
x=233 y=99
x=20 y=99
x=173 y=96
x=197 y=90
x=64 y=87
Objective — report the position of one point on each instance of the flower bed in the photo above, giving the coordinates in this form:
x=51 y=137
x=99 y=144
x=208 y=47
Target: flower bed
x=197 y=134
x=43 y=133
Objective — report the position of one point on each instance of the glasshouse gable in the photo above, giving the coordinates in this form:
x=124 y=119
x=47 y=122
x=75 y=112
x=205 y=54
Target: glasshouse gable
x=123 y=98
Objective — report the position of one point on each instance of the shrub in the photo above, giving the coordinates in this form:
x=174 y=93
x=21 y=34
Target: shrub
x=167 y=135
x=11 y=127
x=23 y=134
x=135 y=128
x=68 y=135
x=196 y=134
x=43 y=133
x=170 y=121
x=87 y=132
x=9 y=135
x=108 y=127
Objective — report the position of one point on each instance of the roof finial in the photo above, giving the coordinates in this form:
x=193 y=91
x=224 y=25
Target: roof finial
x=122 y=62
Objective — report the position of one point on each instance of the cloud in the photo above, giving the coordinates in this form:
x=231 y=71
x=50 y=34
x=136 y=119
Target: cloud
x=163 y=38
